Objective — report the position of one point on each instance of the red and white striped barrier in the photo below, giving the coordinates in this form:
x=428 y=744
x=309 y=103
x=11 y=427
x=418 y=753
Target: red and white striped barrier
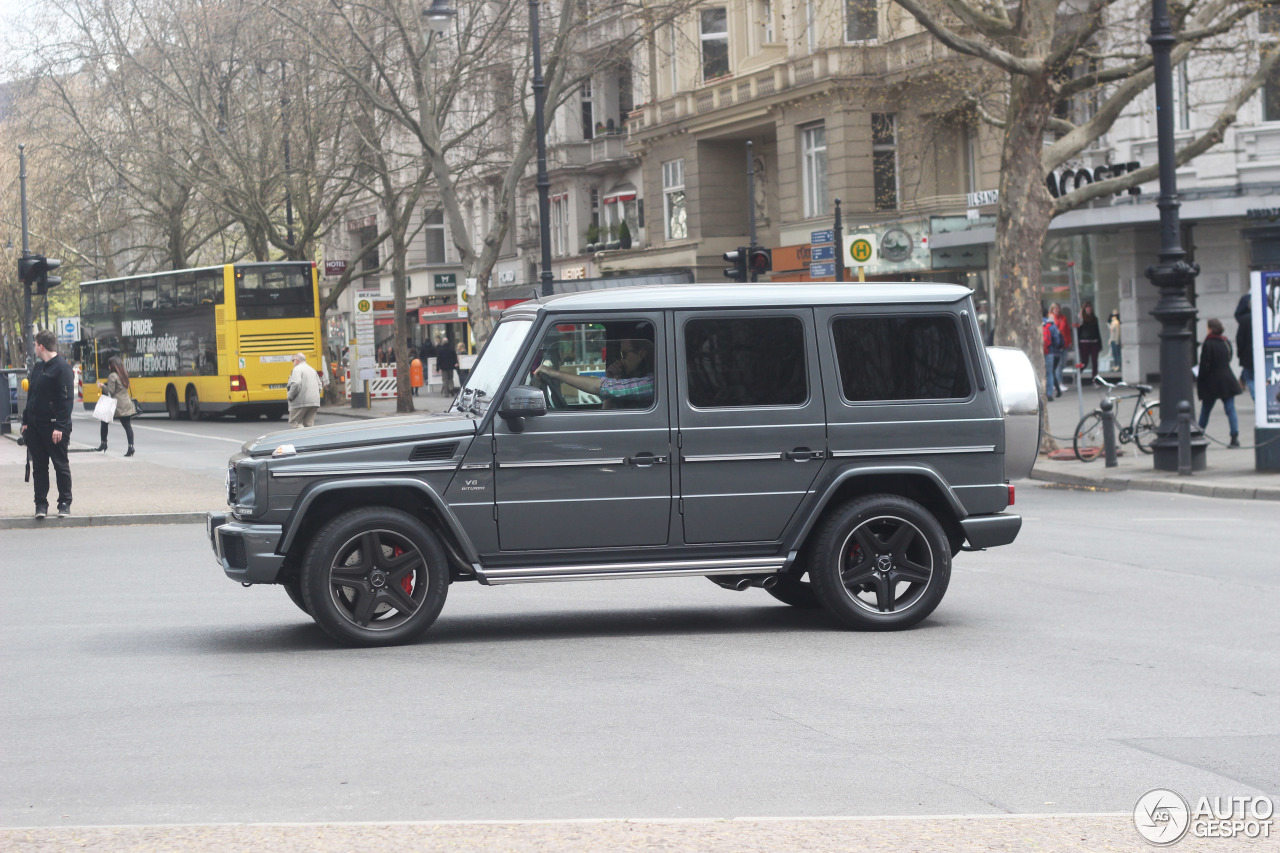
x=381 y=386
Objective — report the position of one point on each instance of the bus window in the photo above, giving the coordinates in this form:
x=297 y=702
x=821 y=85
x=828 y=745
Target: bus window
x=98 y=299
x=274 y=292
x=117 y=297
x=165 y=295
x=186 y=293
x=130 y=296
x=147 y=293
x=209 y=288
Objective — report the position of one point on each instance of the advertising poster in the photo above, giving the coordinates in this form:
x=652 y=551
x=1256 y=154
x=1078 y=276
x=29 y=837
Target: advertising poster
x=1266 y=346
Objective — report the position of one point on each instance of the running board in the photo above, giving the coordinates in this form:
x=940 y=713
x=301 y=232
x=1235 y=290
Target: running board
x=611 y=571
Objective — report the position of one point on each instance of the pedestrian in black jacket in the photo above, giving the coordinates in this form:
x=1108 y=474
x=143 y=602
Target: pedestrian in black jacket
x=446 y=363
x=46 y=423
x=1215 y=379
x=1244 y=341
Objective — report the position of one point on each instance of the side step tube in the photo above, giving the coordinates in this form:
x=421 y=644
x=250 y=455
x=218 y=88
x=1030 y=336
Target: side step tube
x=611 y=571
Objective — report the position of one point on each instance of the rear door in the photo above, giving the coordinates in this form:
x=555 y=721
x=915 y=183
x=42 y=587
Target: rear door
x=752 y=430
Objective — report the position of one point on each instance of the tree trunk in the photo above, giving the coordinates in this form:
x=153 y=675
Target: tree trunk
x=404 y=391
x=1026 y=209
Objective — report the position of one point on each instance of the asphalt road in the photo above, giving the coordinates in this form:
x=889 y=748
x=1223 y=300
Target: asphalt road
x=1125 y=642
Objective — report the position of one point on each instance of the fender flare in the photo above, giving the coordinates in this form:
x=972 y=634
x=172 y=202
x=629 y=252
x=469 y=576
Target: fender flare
x=853 y=471
x=313 y=491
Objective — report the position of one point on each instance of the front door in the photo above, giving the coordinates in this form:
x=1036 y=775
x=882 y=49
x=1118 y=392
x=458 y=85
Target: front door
x=752 y=427
x=594 y=471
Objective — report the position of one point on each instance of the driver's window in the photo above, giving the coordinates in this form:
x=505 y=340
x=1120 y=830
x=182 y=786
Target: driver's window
x=589 y=366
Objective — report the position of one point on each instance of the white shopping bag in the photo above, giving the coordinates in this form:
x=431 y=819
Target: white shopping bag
x=105 y=410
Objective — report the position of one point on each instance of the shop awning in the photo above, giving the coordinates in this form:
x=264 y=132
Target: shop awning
x=622 y=192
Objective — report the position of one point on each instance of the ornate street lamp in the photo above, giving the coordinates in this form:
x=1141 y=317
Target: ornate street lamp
x=439 y=16
x=543 y=182
x=1173 y=275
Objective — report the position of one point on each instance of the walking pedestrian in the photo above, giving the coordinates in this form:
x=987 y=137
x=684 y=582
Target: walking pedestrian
x=1113 y=333
x=46 y=423
x=1215 y=379
x=1064 y=329
x=1053 y=352
x=1090 y=338
x=117 y=386
x=304 y=393
x=446 y=363
x=1244 y=341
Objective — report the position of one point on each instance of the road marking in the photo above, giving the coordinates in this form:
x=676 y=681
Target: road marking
x=173 y=431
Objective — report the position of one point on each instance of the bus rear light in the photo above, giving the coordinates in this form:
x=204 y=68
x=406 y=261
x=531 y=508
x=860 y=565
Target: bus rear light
x=238 y=384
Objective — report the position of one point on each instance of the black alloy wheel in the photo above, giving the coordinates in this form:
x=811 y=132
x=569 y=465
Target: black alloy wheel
x=375 y=576
x=193 y=404
x=882 y=563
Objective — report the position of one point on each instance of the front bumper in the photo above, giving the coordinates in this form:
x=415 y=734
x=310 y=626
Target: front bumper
x=247 y=552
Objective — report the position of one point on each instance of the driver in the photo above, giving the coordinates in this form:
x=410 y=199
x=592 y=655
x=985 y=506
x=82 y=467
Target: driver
x=627 y=382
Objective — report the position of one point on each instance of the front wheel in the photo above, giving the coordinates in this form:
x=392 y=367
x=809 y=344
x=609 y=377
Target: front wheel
x=881 y=563
x=171 y=403
x=1087 y=442
x=1145 y=426
x=375 y=576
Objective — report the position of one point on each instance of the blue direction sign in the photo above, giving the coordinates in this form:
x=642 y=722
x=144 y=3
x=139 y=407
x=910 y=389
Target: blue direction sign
x=817 y=238
x=822 y=253
x=822 y=270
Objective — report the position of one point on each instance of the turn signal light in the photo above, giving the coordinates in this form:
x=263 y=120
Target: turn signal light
x=1011 y=494
x=238 y=384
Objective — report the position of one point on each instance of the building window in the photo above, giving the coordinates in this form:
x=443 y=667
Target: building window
x=587 y=119
x=560 y=225
x=764 y=18
x=1181 y=98
x=676 y=224
x=434 y=228
x=884 y=156
x=861 y=20
x=971 y=158
x=715 y=42
x=811 y=25
x=814 y=146
x=672 y=58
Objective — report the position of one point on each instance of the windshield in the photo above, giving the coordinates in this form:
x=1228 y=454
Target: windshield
x=492 y=365
x=274 y=293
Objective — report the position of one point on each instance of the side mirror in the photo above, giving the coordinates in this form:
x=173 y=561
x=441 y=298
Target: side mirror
x=522 y=401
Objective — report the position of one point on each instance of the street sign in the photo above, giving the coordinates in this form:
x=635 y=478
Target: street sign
x=818 y=238
x=364 y=332
x=859 y=251
x=68 y=329
x=827 y=270
x=333 y=269
x=822 y=253
x=445 y=281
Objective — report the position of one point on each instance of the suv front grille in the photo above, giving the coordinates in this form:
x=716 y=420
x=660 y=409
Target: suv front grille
x=233 y=549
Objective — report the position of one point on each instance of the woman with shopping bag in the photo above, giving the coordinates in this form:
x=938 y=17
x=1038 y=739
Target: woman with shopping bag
x=116 y=389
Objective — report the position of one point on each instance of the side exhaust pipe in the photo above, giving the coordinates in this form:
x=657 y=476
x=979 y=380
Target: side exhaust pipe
x=741 y=583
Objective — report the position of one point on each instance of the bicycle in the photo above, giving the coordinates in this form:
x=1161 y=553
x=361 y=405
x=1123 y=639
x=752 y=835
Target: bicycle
x=1141 y=430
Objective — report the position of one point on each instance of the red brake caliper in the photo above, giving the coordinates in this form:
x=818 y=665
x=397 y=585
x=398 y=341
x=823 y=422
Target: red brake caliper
x=407 y=583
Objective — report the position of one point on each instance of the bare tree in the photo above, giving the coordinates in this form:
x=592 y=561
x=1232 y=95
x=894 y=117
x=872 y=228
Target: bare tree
x=1049 y=58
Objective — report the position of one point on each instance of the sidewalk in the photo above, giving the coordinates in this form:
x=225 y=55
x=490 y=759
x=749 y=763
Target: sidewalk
x=1229 y=472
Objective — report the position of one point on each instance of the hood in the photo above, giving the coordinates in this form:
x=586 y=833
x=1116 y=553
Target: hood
x=358 y=433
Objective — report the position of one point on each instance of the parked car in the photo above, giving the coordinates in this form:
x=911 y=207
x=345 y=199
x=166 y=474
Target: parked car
x=834 y=444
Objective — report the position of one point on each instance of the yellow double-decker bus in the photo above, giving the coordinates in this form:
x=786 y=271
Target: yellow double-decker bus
x=203 y=342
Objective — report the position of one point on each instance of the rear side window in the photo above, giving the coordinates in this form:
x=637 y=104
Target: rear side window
x=900 y=358
x=745 y=361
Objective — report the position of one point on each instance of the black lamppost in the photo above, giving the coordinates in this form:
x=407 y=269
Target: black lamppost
x=543 y=182
x=1173 y=275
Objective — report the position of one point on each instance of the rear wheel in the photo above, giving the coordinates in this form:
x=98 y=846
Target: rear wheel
x=881 y=563
x=375 y=576
x=171 y=403
x=193 y=403
x=1144 y=428
x=1087 y=441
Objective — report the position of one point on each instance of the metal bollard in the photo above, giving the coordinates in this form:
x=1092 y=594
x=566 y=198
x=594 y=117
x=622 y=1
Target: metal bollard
x=1184 y=438
x=1109 y=431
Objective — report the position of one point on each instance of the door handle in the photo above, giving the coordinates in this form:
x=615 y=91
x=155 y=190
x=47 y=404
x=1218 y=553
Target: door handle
x=802 y=454
x=646 y=460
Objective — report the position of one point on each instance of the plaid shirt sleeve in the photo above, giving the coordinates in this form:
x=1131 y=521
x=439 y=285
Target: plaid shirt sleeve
x=639 y=387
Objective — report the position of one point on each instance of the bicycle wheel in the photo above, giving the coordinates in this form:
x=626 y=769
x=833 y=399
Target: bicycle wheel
x=1087 y=441
x=1144 y=427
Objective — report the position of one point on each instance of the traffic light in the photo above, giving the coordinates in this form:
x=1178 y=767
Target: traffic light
x=35 y=269
x=738 y=257
x=759 y=261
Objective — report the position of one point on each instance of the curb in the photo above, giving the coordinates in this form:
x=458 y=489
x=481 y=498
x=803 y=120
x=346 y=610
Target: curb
x=25 y=523
x=1120 y=484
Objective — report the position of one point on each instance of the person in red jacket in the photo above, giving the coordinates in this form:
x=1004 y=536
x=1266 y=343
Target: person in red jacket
x=1064 y=328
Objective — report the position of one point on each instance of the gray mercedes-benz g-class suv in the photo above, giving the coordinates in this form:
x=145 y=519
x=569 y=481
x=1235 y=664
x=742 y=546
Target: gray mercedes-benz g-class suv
x=835 y=444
